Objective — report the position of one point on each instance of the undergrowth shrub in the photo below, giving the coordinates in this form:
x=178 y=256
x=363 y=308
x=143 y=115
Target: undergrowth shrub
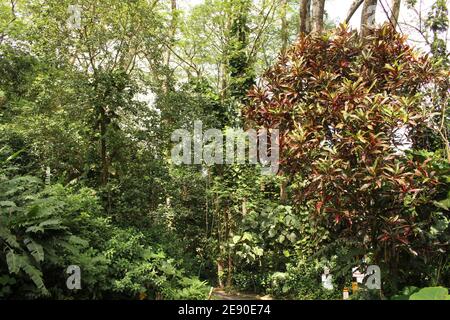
x=301 y=281
x=44 y=229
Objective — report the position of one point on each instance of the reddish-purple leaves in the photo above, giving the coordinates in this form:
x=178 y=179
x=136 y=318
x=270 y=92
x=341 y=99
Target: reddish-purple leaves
x=340 y=105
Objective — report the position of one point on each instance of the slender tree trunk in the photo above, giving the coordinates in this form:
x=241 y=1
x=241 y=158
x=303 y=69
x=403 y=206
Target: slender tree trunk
x=309 y=18
x=244 y=207
x=219 y=243
x=229 y=258
x=355 y=5
x=104 y=157
x=283 y=193
x=220 y=273
x=318 y=10
x=223 y=81
x=230 y=271
x=395 y=11
x=283 y=187
x=284 y=26
x=173 y=30
x=368 y=17
x=305 y=14
x=103 y=150
x=224 y=67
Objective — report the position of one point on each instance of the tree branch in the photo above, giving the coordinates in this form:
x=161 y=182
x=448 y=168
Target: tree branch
x=355 y=5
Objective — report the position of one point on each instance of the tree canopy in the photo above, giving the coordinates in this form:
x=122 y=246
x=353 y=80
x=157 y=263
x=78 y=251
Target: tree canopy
x=94 y=206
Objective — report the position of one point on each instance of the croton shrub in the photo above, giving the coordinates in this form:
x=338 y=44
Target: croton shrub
x=348 y=112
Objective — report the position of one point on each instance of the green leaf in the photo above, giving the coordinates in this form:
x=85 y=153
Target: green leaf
x=13 y=262
x=258 y=251
x=54 y=224
x=444 y=204
x=35 y=249
x=247 y=236
x=35 y=276
x=14 y=155
x=272 y=232
x=431 y=293
x=9 y=238
x=8 y=204
x=292 y=237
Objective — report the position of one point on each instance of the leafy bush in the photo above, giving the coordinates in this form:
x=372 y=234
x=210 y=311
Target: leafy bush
x=251 y=281
x=301 y=281
x=38 y=235
x=139 y=270
x=347 y=110
x=44 y=229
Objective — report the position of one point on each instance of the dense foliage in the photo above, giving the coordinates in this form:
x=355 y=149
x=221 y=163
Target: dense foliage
x=348 y=111
x=88 y=107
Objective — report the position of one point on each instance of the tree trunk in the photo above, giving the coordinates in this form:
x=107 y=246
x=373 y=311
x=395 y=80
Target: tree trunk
x=368 y=17
x=229 y=258
x=244 y=207
x=224 y=67
x=355 y=5
x=395 y=11
x=103 y=150
x=219 y=242
x=220 y=273
x=230 y=271
x=305 y=17
x=317 y=16
x=283 y=192
x=284 y=26
x=173 y=30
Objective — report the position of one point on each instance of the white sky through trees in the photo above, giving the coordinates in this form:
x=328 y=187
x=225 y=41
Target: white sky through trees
x=409 y=19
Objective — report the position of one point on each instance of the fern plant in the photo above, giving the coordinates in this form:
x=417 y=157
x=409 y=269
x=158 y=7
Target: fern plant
x=36 y=234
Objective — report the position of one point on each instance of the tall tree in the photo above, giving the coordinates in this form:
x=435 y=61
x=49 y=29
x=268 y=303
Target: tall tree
x=173 y=30
x=108 y=50
x=318 y=11
x=395 y=11
x=238 y=64
x=438 y=22
x=360 y=143
x=284 y=25
x=368 y=16
x=305 y=16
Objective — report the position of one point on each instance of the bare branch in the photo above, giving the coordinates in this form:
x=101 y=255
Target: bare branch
x=355 y=5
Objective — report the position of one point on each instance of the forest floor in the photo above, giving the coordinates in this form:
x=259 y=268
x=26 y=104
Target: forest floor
x=221 y=294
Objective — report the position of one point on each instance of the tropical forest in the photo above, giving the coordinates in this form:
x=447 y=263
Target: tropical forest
x=224 y=150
